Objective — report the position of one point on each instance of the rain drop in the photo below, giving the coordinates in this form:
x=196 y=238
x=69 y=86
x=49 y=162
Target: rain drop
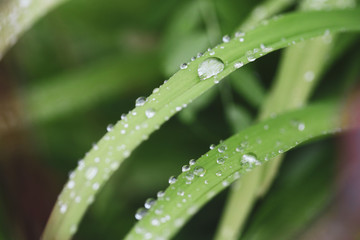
x=184 y=66
x=199 y=171
x=210 y=67
x=140 y=101
x=226 y=39
x=185 y=168
x=140 y=213
x=220 y=160
x=149 y=203
x=172 y=180
x=109 y=127
x=150 y=113
x=238 y=65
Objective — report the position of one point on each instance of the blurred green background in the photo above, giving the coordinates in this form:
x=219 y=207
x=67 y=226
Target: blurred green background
x=84 y=64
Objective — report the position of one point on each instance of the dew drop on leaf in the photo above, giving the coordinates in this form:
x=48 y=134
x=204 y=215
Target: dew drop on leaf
x=172 y=180
x=140 y=213
x=210 y=67
x=140 y=101
x=150 y=113
x=109 y=127
x=226 y=39
x=149 y=203
x=199 y=171
x=184 y=66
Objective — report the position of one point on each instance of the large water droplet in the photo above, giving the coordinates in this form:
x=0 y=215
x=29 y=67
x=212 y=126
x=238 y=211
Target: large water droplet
x=184 y=66
x=185 y=168
x=210 y=67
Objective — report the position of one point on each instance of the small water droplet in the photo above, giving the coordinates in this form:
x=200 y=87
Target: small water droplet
x=301 y=126
x=238 y=65
x=71 y=184
x=239 y=34
x=160 y=194
x=172 y=180
x=185 y=168
x=91 y=173
x=251 y=58
x=210 y=67
x=140 y=101
x=63 y=208
x=199 y=171
x=189 y=176
x=309 y=76
x=149 y=203
x=226 y=39
x=184 y=66
x=192 y=162
x=140 y=213
x=220 y=160
x=109 y=127
x=150 y=113
x=222 y=148
x=212 y=146
x=218 y=173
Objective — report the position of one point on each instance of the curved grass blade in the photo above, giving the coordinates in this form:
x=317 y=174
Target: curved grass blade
x=183 y=87
x=17 y=16
x=229 y=161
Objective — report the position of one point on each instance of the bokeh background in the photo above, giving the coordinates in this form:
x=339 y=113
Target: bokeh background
x=84 y=64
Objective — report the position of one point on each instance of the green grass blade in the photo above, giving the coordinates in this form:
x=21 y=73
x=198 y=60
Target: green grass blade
x=206 y=178
x=17 y=16
x=183 y=87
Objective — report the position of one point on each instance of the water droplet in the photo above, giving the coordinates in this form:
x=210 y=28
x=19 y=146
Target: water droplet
x=185 y=168
x=239 y=34
x=160 y=194
x=149 y=203
x=301 y=126
x=309 y=76
x=71 y=184
x=220 y=160
x=172 y=180
x=192 y=162
x=226 y=39
x=199 y=55
x=140 y=101
x=91 y=173
x=218 y=173
x=63 y=208
x=199 y=171
x=238 y=65
x=222 y=148
x=189 y=176
x=251 y=58
x=210 y=67
x=95 y=186
x=184 y=66
x=140 y=213
x=180 y=193
x=150 y=113
x=212 y=146
x=155 y=222
x=109 y=127
x=249 y=159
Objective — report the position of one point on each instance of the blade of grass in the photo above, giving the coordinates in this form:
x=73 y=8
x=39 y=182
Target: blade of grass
x=239 y=154
x=183 y=87
x=19 y=15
